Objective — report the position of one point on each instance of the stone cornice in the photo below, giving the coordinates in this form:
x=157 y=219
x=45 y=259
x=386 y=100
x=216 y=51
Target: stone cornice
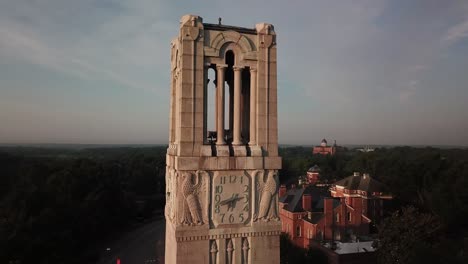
x=237 y=68
x=221 y=236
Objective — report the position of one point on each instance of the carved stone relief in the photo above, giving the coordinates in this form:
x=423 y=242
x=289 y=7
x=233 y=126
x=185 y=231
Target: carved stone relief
x=229 y=250
x=193 y=188
x=266 y=200
x=213 y=252
x=245 y=250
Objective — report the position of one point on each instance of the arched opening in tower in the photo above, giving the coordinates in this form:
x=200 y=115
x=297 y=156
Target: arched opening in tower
x=211 y=105
x=229 y=97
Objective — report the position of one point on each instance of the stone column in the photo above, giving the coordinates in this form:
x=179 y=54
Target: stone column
x=220 y=104
x=237 y=105
x=253 y=106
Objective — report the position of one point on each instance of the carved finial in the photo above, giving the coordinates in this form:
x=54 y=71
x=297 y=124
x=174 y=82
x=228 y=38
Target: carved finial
x=229 y=249
x=213 y=251
x=245 y=251
x=219 y=21
x=245 y=245
x=230 y=246
x=214 y=247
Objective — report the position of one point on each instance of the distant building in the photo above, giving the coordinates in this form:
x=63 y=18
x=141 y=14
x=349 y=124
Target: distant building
x=342 y=213
x=324 y=149
x=366 y=149
x=313 y=175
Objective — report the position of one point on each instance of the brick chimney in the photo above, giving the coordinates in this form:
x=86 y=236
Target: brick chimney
x=282 y=190
x=306 y=202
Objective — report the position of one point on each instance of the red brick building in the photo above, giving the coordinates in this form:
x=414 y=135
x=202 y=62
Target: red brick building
x=344 y=212
x=362 y=192
x=324 y=149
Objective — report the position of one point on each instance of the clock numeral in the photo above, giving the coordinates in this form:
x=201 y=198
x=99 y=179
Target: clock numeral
x=219 y=189
x=246 y=208
x=222 y=179
x=241 y=217
x=222 y=218
x=246 y=188
x=242 y=179
x=231 y=218
x=217 y=209
x=246 y=196
x=232 y=179
x=217 y=198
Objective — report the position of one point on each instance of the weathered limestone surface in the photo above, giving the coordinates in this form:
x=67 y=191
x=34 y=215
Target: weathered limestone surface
x=222 y=186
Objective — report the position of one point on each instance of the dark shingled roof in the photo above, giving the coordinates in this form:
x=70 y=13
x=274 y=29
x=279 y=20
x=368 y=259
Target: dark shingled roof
x=361 y=183
x=314 y=168
x=293 y=198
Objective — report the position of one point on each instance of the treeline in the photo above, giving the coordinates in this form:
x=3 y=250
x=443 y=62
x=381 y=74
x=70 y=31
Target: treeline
x=56 y=206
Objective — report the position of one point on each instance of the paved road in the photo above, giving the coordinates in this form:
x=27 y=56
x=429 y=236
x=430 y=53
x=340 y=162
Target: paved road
x=145 y=245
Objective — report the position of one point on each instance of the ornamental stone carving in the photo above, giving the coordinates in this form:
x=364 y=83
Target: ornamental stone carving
x=193 y=188
x=267 y=188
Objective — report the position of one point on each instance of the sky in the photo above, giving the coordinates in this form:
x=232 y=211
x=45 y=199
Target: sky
x=359 y=72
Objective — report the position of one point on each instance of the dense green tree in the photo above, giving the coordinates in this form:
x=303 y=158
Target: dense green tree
x=56 y=201
x=411 y=236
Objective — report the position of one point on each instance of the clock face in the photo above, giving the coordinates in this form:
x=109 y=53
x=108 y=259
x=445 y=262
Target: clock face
x=230 y=199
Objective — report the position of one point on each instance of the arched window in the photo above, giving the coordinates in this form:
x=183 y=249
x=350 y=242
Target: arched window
x=298 y=231
x=210 y=105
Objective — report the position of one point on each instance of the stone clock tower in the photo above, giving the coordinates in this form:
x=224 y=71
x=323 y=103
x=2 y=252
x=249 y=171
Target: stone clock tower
x=222 y=181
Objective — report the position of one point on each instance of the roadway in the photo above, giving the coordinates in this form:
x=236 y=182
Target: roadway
x=144 y=245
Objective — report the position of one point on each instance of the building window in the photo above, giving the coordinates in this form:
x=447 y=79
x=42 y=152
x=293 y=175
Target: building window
x=298 y=231
x=337 y=217
x=349 y=216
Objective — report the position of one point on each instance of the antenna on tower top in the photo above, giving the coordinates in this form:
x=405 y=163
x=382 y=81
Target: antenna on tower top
x=219 y=21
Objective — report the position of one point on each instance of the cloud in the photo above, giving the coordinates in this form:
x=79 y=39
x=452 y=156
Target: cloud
x=122 y=48
x=456 y=33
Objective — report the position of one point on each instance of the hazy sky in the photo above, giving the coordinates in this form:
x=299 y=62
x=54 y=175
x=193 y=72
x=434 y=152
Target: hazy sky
x=370 y=72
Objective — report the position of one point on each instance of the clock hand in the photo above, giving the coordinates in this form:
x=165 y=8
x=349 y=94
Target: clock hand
x=231 y=202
